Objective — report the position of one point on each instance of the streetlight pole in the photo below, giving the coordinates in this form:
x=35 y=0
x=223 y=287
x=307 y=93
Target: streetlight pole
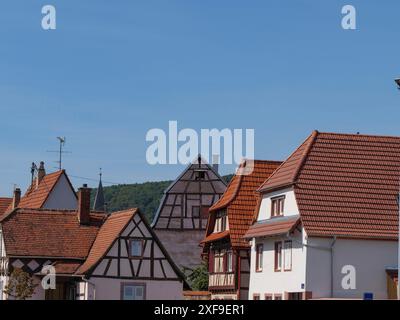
x=398 y=235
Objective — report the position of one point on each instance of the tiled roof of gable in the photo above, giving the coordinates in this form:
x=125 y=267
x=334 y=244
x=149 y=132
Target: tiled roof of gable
x=35 y=197
x=4 y=204
x=287 y=173
x=108 y=233
x=348 y=186
x=48 y=233
x=240 y=199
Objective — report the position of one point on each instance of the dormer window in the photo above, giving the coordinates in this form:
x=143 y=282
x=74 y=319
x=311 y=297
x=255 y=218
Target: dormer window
x=221 y=222
x=277 y=206
x=200 y=174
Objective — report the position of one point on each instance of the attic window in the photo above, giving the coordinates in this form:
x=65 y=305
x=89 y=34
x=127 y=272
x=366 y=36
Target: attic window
x=200 y=174
x=277 y=206
x=136 y=248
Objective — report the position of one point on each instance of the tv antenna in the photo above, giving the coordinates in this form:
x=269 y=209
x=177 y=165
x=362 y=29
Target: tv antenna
x=60 y=151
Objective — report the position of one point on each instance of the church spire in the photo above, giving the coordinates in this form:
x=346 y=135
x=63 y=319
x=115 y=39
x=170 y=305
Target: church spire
x=99 y=203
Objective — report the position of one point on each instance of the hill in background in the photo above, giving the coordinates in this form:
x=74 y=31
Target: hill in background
x=145 y=196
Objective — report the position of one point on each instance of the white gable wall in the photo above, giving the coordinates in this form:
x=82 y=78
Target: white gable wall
x=290 y=206
x=62 y=196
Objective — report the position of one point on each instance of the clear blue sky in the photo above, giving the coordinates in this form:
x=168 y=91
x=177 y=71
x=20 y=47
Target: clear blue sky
x=115 y=69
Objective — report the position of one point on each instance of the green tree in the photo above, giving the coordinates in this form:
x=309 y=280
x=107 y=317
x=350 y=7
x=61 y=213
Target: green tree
x=20 y=286
x=198 y=278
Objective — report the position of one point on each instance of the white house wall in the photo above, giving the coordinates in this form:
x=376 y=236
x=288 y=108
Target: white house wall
x=290 y=206
x=62 y=196
x=110 y=289
x=270 y=282
x=370 y=259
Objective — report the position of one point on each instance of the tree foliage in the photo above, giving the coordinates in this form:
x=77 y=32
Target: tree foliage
x=198 y=278
x=20 y=286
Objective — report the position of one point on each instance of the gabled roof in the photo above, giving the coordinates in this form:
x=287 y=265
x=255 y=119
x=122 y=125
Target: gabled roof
x=48 y=233
x=287 y=173
x=346 y=185
x=36 y=196
x=240 y=199
x=108 y=233
x=4 y=204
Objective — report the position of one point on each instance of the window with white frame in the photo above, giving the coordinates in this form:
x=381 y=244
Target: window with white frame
x=287 y=249
x=229 y=261
x=221 y=222
x=278 y=256
x=277 y=206
x=219 y=261
x=259 y=257
x=133 y=291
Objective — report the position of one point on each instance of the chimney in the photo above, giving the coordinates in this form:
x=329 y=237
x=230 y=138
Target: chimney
x=41 y=173
x=16 y=198
x=84 y=204
x=215 y=162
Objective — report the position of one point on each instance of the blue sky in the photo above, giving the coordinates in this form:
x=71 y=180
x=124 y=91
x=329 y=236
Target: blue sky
x=113 y=70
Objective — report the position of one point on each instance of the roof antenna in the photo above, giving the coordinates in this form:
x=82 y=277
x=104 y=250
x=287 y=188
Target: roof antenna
x=60 y=151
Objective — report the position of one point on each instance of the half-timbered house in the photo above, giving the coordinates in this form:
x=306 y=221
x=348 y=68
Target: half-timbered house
x=227 y=253
x=94 y=256
x=182 y=216
x=327 y=222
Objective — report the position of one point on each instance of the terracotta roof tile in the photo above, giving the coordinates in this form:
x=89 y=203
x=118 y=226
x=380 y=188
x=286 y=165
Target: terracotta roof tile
x=36 y=196
x=346 y=185
x=109 y=231
x=4 y=204
x=272 y=227
x=240 y=200
x=48 y=233
x=216 y=236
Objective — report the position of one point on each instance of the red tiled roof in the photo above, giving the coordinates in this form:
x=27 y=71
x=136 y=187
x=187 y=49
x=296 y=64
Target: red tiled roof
x=36 y=196
x=109 y=231
x=240 y=200
x=289 y=169
x=48 y=233
x=66 y=267
x=4 y=204
x=272 y=227
x=216 y=236
x=346 y=185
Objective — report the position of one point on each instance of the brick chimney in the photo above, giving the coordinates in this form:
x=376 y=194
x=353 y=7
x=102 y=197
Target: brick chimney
x=41 y=173
x=84 y=204
x=16 y=198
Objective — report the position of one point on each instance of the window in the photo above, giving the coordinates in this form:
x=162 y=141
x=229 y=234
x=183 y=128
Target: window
x=229 y=261
x=132 y=291
x=136 y=248
x=259 y=257
x=277 y=297
x=256 y=296
x=277 y=206
x=219 y=261
x=221 y=223
x=268 y=296
x=278 y=256
x=287 y=255
x=1 y=290
x=295 y=296
x=196 y=212
x=200 y=175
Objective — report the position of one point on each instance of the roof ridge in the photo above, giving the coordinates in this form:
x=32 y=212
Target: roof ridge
x=359 y=135
x=315 y=132
x=307 y=150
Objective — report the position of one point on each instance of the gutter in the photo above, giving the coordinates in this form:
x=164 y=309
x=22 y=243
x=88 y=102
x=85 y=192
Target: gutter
x=330 y=248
